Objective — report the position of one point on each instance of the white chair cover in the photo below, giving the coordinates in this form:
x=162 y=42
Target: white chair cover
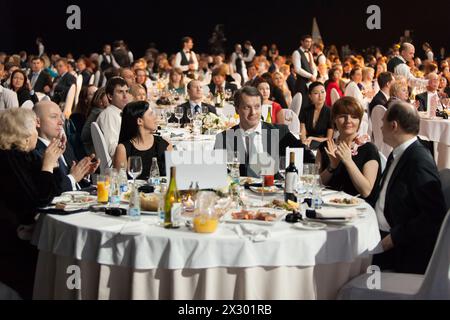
x=294 y=124
x=383 y=161
x=28 y=104
x=237 y=79
x=377 y=121
x=228 y=110
x=42 y=96
x=364 y=127
x=92 y=79
x=101 y=150
x=79 y=85
x=435 y=284
x=6 y=293
x=97 y=76
x=445 y=182
x=334 y=95
x=70 y=98
x=296 y=103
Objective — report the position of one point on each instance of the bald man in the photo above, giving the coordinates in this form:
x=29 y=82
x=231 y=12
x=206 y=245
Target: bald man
x=50 y=125
x=430 y=96
x=410 y=207
x=398 y=65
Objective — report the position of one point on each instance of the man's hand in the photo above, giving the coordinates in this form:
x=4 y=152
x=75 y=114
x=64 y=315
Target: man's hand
x=313 y=79
x=387 y=243
x=84 y=167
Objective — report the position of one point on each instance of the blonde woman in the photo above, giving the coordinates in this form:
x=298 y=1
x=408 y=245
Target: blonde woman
x=280 y=82
x=28 y=183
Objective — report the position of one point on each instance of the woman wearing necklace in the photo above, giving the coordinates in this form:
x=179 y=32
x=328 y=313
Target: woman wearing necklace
x=315 y=120
x=136 y=138
x=351 y=164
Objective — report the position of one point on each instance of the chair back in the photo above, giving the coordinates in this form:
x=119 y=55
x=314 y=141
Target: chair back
x=42 y=96
x=237 y=79
x=334 y=95
x=294 y=124
x=28 y=104
x=6 y=293
x=79 y=85
x=383 y=161
x=101 y=150
x=444 y=176
x=296 y=103
x=377 y=121
x=92 y=79
x=70 y=98
x=436 y=283
x=364 y=127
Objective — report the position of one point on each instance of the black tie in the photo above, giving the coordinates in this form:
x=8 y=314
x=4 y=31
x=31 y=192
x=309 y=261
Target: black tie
x=388 y=165
x=197 y=109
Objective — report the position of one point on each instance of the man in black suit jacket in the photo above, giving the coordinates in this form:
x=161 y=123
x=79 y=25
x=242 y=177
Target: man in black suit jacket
x=195 y=92
x=40 y=80
x=218 y=83
x=432 y=87
x=255 y=136
x=410 y=207
x=71 y=175
x=63 y=82
x=385 y=80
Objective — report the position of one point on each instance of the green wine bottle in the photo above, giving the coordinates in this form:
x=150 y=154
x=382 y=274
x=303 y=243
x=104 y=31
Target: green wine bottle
x=269 y=115
x=172 y=204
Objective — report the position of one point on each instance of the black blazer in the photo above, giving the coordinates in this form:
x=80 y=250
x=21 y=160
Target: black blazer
x=414 y=208
x=61 y=174
x=378 y=99
x=232 y=139
x=187 y=106
x=228 y=85
x=62 y=87
x=423 y=101
x=23 y=94
x=44 y=79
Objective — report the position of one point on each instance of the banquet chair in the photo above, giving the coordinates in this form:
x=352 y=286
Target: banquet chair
x=383 y=161
x=68 y=104
x=6 y=293
x=444 y=176
x=237 y=79
x=228 y=110
x=364 y=127
x=376 y=119
x=28 y=104
x=334 y=95
x=434 y=284
x=42 y=96
x=100 y=147
x=78 y=90
x=97 y=76
x=294 y=124
x=92 y=79
x=296 y=103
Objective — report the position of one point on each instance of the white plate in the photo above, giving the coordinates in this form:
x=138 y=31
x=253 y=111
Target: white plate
x=149 y=213
x=332 y=221
x=249 y=180
x=309 y=225
x=75 y=193
x=328 y=202
x=267 y=190
x=227 y=217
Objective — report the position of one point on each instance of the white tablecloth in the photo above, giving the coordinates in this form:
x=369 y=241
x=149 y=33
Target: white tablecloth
x=102 y=245
x=438 y=131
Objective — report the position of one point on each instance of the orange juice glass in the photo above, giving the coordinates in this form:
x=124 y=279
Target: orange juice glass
x=102 y=189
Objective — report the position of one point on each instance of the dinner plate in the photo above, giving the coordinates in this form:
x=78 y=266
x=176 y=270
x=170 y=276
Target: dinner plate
x=227 y=217
x=309 y=225
x=75 y=193
x=332 y=221
x=328 y=202
x=249 y=180
x=267 y=190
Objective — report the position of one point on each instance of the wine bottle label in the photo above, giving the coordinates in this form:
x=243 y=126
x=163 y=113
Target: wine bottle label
x=175 y=213
x=134 y=212
x=291 y=181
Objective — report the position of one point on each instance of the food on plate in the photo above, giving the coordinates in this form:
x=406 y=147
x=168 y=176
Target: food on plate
x=266 y=189
x=149 y=202
x=60 y=205
x=289 y=205
x=345 y=200
x=253 y=215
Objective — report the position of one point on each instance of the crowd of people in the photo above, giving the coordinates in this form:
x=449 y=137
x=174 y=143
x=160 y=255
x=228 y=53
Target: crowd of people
x=43 y=154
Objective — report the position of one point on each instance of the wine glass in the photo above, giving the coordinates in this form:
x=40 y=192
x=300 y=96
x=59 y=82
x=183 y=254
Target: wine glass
x=134 y=167
x=205 y=110
x=228 y=94
x=179 y=114
x=189 y=115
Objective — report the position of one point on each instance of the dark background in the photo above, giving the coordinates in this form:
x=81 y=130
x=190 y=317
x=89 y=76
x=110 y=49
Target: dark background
x=164 y=22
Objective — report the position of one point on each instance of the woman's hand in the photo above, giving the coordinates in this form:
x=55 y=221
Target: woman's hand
x=51 y=155
x=344 y=153
x=331 y=149
x=308 y=141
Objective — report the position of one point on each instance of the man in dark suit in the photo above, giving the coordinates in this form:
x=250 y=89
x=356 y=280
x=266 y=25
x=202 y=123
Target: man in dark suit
x=63 y=82
x=40 y=80
x=195 y=92
x=426 y=98
x=253 y=137
x=50 y=126
x=385 y=80
x=410 y=207
x=219 y=84
x=252 y=74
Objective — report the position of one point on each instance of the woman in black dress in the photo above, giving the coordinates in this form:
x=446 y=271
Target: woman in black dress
x=315 y=119
x=136 y=138
x=27 y=184
x=351 y=164
x=19 y=84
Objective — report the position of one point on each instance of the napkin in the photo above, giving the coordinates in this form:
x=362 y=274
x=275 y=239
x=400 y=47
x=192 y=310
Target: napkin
x=252 y=232
x=332 y=213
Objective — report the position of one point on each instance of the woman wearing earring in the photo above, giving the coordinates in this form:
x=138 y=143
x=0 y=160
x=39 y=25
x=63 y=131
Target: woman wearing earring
x=136 y=138
x=28 y=183
x=351 y=164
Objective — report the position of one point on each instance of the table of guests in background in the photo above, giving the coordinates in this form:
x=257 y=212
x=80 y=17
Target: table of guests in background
x=438 y=131
x=123 y=259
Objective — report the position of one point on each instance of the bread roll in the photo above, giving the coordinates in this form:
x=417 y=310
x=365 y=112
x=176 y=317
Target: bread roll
x=149 y=202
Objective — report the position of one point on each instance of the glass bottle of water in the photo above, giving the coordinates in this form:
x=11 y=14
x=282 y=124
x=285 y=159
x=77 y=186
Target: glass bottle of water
x=134 y=209
x=123 y=179
x=114 y=188
x=154 y=179
x=316 y=195
x=234 y=172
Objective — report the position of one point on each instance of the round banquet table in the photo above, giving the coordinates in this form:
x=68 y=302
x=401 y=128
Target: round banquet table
x=438 y=131
x=122 y=259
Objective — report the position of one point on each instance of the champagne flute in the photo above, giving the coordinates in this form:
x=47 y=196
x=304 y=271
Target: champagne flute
x=189 y=115
x=179 y=114
x=134 y=167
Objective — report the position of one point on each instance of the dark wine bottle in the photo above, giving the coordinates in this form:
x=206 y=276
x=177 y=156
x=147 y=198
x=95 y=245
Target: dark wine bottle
x=291 y=179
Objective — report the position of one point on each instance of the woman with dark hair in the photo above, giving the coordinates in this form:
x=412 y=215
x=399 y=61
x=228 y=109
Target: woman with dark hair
x=351 y=164
x=136 y=138
x=334 y=76
x=20 y=85
x=315 y=119
x=264 y=88
x=276 y=94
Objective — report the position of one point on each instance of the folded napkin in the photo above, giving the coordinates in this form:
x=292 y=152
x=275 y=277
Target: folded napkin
x=332 y=213
x=252 y=232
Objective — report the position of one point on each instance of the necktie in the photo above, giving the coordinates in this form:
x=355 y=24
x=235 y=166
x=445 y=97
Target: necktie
x=388 y=165
x=197 y=109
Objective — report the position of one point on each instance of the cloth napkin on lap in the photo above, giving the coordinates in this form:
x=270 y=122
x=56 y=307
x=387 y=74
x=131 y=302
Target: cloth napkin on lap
x=252 y=232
